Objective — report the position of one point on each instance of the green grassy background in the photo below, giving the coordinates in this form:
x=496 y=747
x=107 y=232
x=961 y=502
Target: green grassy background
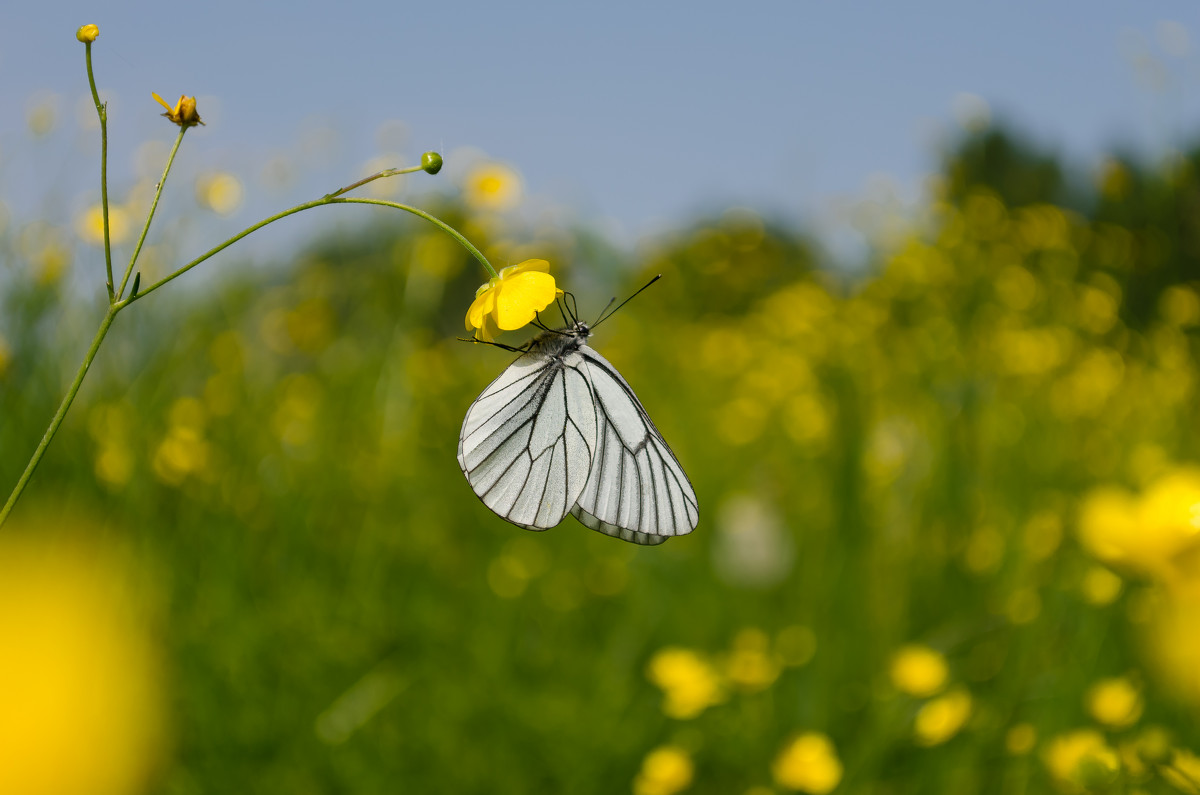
x=339 y=613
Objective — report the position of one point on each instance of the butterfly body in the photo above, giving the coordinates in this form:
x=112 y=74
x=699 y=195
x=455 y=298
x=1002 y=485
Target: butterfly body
x=560 y=431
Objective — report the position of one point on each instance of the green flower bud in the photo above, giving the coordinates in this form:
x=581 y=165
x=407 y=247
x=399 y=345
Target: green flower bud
x=431 y=162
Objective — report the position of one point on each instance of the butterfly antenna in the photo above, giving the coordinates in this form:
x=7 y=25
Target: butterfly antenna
x=607 y=314
x=574 y=308
x=500 y=345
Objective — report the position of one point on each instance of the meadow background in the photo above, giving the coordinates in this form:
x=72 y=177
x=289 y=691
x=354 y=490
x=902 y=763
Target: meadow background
x=949 y=492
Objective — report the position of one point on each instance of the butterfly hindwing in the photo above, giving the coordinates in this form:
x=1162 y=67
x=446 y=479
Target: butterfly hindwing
x=636 y=489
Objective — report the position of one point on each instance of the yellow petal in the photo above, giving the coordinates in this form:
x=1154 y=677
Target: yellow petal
x=481 y=307
x=520 y=297
x=528 y=266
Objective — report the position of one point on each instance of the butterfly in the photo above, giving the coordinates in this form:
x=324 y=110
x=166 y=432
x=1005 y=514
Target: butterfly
x=560 y=431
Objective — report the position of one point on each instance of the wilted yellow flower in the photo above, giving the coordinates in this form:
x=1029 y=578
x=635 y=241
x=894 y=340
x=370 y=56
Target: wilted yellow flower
x=87 y=33
x=79 y=680
x=690 y=685
x=809 y=763
x=492 y=186
x=942 y=718
x=918 y=670
x=1080 y=761
x=1115 y=702
x=1146 y=533
x=184 y=113
x=665 y=771
x=511 y=300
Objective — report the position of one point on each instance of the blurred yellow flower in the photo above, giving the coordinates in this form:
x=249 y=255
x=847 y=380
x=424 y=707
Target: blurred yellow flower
x=751 y=666
x=665 y=770
x=79 y=680
x=1080 y=761
x=492 y=186
x=918 y=670
x=1115 y=702
x=808 y=763
x=220 y=192
x=512 y=299
x=1183 y=771
x=90 y=225
x=689 y=684
x=1020 y=739
x=1146 y=533
x=1100 y=586
x=1172 y=645
x=942 y=718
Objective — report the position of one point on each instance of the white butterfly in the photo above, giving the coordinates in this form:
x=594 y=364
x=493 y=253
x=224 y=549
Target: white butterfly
x=561 y=431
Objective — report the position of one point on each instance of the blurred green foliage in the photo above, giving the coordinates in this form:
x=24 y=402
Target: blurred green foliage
x=887 y=459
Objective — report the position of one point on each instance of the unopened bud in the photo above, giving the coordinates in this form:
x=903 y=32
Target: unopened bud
x=87 y=34
x=431 y=162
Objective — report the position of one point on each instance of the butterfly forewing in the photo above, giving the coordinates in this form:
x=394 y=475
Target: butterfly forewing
x=526 y=443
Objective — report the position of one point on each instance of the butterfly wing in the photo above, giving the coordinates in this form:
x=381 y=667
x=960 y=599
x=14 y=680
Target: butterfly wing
x=636 y=489
x=527 y=441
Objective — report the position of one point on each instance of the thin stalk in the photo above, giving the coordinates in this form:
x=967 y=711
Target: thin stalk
x=149 y=216
x=439 y=223
x=102 y=112
x=60 y=414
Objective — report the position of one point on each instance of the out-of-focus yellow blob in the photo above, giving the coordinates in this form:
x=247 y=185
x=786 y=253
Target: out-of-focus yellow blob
x=665 y=771
x=1115 y=702
x=689 y=683
x=220 y=192
x=1081 y=761
x=492 y=186
x=79 y=680
x=808 y=763
x=942 y=718
x=918 y=670
x=90 y=225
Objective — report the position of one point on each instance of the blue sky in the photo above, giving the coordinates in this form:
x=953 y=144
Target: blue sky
x=634 y=116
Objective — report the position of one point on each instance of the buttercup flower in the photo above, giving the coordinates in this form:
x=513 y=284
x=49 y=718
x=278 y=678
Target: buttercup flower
x=184 y=113
x=809 y=763
x=87 y=34
x=511 y=300
x=918 y=670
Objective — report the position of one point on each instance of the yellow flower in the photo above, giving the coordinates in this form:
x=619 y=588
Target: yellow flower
x=918 y=670
x=665 y=771
x=511 y=300
x=1183 y=772
x=492 y=186
x=1150 y=533
x=87 y=33
x=690 y=685
x=79 y=678
x=751 y=666
x=940 y=719
x=1115 y=702
x=184 y=113
x=1081 y=761
x=809 y=763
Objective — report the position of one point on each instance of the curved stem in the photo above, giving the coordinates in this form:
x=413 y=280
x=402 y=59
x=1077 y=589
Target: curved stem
x=102 y=112
x=439 y=223
x=59 y=415
x=149 y=216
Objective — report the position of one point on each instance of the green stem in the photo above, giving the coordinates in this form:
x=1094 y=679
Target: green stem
x=58 y=417
x=439 y=223
x=330 y=199
x=390 y=172
x=102 y=112
x=117 y=305
x=149 y=216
